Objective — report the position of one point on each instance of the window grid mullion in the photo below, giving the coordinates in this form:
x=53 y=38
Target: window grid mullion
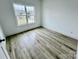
x=26 y=14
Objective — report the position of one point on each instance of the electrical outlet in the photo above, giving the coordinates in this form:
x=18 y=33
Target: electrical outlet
x=71 y=32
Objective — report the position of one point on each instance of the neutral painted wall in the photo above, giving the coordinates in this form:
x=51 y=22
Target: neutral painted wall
x=8 y=19
x=61 y=16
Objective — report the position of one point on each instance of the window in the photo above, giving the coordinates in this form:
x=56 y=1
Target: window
x=24 y=14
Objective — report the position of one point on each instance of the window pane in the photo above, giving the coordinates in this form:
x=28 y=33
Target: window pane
x=30 y=14
x=21 y=20
x=20 y=14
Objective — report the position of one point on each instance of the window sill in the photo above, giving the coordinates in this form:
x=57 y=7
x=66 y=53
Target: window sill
x=25 y=24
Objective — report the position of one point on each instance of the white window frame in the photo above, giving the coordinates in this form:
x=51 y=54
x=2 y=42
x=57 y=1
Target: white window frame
x=25 y=6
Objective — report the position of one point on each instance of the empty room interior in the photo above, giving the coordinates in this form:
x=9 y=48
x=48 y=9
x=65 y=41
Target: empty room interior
x=38 y=29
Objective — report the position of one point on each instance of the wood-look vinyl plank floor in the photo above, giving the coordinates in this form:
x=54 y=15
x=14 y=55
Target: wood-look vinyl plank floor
x=41 y=44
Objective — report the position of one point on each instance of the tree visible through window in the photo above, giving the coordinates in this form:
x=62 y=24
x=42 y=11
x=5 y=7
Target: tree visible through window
x=24 y=14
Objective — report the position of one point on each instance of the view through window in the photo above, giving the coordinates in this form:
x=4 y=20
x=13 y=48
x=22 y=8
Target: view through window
x=24 y=14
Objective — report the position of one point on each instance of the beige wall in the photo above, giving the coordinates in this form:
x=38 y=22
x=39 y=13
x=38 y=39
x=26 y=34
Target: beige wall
x=8 y=19
x=61 y=16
